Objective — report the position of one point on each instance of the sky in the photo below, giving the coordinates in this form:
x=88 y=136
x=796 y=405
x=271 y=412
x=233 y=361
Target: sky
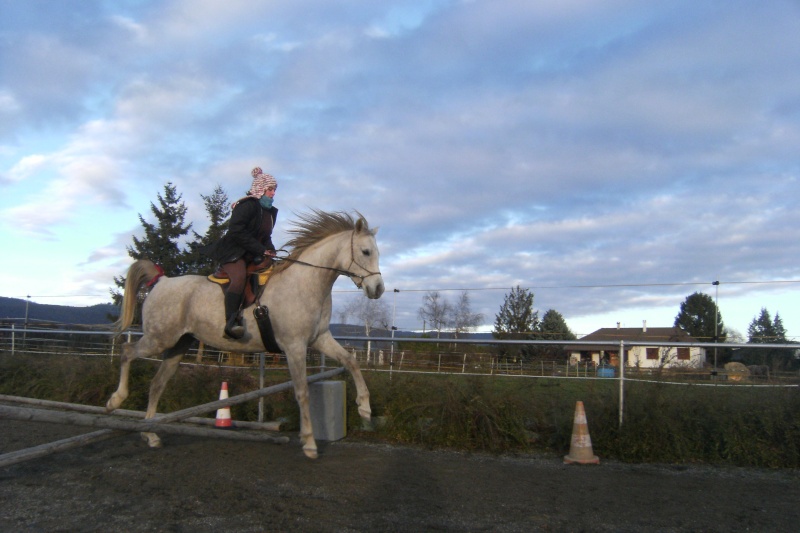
x=612 y=157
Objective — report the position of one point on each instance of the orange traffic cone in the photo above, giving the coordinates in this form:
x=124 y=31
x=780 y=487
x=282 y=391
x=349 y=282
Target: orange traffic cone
x=224 y=414
x=580 y=450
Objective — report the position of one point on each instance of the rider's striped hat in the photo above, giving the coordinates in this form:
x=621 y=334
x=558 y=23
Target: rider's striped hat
x=260 y=182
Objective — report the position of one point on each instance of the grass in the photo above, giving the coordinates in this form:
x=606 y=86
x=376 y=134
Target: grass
x=740 y=426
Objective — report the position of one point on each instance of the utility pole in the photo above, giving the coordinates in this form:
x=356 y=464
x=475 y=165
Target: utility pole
x=25 y=332
x=716 y=322
x=394 y=328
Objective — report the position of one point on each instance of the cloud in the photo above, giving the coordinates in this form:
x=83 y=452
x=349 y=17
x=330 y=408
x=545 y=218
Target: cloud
x=604 y=153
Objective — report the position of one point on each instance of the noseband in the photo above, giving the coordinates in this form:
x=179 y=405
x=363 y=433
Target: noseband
x=352 y=275
x=353 y=261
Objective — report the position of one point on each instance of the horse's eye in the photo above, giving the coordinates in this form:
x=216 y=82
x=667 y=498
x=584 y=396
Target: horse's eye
x=365 y=252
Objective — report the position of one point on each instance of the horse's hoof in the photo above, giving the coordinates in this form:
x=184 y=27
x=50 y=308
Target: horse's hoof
x=152 y=440
x=111 y=405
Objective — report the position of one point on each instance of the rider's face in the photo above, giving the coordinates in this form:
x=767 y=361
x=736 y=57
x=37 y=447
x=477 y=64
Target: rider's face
x=269 y=191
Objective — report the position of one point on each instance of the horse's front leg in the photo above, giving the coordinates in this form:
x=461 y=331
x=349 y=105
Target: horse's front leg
x=326 y=344
x=297 y=367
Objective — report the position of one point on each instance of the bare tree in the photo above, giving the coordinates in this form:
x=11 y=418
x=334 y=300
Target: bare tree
x=435 y=311
x=370 y=313
x=462 y=318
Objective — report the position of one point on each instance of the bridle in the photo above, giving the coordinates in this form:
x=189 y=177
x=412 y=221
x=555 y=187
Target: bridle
x=350 y=274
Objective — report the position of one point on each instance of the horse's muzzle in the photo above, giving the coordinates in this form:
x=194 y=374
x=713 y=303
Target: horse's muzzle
x=373 y=286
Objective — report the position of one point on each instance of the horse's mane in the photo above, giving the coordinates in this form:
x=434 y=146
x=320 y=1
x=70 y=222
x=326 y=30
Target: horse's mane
x=310 y=228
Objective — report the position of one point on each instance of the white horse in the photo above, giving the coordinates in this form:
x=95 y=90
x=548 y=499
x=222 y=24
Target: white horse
x=298 y=295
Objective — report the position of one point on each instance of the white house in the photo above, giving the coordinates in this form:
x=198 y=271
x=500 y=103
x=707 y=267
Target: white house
x=637 y=352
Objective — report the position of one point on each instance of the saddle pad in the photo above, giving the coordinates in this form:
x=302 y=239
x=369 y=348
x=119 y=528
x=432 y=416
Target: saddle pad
x=263 y=277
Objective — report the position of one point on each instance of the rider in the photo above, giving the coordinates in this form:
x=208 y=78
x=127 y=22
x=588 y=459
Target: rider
x=247 y=241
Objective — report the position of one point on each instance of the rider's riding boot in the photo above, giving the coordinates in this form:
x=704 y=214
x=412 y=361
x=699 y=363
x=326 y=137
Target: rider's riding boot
x=233 y=328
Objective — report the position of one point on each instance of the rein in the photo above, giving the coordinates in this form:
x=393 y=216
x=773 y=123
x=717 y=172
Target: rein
x=352 y=275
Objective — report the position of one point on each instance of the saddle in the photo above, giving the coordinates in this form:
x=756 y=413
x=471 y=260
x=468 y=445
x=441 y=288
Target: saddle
x=257 y=277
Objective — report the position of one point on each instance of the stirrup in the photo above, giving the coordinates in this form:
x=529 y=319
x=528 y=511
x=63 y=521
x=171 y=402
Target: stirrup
x=234 y=329
x=234 y=332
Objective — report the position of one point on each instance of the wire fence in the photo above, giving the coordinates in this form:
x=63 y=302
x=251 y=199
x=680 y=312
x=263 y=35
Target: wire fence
x=479 y=357
x=451 y=356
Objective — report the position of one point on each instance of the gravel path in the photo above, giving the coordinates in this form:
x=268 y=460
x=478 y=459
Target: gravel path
x=199 y=485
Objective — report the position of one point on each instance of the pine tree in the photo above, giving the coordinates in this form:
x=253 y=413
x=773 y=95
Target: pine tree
x=762 y=329
x=697 y=316
x=517 y=320
x=552 y=327
x=765 y=330
x=218 y=211
x=161 y=241
x=516 y=314
x=778 y=329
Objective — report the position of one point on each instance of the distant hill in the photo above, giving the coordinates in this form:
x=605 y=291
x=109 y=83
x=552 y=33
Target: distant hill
x=352 y=330
x=14 y=308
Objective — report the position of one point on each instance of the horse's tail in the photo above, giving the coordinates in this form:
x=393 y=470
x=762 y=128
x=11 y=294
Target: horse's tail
x=139 y=272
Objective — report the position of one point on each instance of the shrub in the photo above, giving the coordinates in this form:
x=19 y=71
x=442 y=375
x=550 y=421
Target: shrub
x=743 y=426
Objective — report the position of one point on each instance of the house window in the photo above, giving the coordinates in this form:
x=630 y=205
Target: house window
x=683 y=354
x=652 y=353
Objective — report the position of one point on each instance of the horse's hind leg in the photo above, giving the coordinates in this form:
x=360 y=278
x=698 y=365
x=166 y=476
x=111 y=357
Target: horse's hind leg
x=144 y=347
x=169 y=365
x=326 y=344
x=124 y=372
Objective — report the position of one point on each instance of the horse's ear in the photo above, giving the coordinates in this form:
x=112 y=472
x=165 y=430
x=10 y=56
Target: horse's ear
x=361 y=225
x=375 y=231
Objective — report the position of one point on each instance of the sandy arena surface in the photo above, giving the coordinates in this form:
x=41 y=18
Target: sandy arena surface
x=198 y=485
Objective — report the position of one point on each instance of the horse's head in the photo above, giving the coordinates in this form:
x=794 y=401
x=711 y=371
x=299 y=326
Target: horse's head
x=365 y=256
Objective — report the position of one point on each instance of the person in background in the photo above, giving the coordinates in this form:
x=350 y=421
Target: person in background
x=247 y=241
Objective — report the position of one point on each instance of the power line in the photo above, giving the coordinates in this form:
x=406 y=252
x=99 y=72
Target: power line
x=604 y=286
x=541 y=287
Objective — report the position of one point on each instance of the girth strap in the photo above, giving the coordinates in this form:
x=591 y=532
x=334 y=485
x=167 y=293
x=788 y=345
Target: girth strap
x=261 y=313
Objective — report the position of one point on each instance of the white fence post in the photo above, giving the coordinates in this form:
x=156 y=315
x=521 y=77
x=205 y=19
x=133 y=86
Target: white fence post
x=621 y=380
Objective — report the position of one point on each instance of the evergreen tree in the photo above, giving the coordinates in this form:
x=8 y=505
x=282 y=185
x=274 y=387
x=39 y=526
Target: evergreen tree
x=765 y=330
x=218 y=210
x=698 y=316
x=552 y=327
x=517 y=320
x=778 y=329
x=161 y=241
x=762 y=329
x=516 y=314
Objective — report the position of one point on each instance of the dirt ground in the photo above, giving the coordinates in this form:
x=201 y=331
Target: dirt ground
x=199 y=485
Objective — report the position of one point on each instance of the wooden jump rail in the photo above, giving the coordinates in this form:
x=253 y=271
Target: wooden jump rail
x=81 y=408
x=117 y=426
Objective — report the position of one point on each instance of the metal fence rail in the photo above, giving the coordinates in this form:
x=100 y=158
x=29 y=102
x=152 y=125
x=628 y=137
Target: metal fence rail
x=484 y=361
